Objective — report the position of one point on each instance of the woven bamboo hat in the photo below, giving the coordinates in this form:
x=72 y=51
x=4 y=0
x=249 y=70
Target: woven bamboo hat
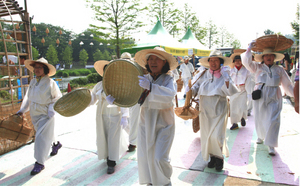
x=99 y=65
x=142 y=56
x=120 y=80
x=215 y=53
x=29 y=65
x=236 y=52
x=73 y=103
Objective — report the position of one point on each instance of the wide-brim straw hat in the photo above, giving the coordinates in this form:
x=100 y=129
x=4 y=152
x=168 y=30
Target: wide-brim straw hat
x=215 y=53
x=99 y=65
x=29 y=65
x=259 y=57
x=236 y=52
x=142 y=56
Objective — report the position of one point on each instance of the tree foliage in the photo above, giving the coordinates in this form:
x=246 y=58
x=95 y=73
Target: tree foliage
x=97 y=55
x=295 y=26
x=51 y=55
x=118 y=18
x=35 y=53
x=67 y=55
x=212 y=35
x=166 y=13
x=83 y=57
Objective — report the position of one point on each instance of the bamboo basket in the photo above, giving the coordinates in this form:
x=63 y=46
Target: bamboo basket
x=15 y=128
x=275 y=42
x=73 y=103
x=120 y=80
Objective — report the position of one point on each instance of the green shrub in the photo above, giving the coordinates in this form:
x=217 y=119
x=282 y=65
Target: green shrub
x=94 y=78
x=93 y=70
x=79 y=81
x=65 y=74
x=59 y=73
x=4 y=94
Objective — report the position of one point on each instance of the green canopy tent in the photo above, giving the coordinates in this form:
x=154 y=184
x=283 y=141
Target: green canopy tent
x=158 y=36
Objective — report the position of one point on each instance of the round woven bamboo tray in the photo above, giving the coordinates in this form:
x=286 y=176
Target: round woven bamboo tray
x=73 y=103
x=275 y=42
x=120 y=80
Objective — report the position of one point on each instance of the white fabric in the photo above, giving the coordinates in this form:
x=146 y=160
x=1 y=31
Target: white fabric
x=213 y=115
x=156 y=132
x=111 y=141
x=12 y=58
x=134 y=115
x=144 y=82
x=186 y=70
x=249 y=88
x=267 y=109
x=39 y=99
x=238 y=101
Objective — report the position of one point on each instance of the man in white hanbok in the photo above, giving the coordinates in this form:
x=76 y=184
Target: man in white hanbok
x=186 y=70
x=39 y=99
x=110 y=119
x=267 y=109
x=212 y=88
x=157 y=119
x=238 y=102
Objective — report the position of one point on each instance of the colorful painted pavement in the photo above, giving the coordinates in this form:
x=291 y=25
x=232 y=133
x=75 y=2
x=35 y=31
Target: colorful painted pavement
x=77 y=163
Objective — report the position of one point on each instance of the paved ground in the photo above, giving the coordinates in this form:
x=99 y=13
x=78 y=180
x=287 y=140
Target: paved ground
x=77 y=163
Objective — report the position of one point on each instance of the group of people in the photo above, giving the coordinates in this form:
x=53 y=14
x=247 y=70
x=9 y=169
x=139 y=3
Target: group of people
x=152 y=121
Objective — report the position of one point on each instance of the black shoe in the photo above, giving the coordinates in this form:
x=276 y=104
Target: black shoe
x=55 y=148
x=234 y=126
x=131 y=148
x=249 y=114
x=212 y=162
x=110 y=170
x=219 y=164
x=184 y=96
x=243 y=122
x=37 y=168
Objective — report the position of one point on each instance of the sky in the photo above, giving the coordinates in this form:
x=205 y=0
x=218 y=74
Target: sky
x=245 y=19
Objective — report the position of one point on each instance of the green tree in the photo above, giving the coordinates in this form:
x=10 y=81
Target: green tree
x=190 y=20
x=50 y=39
x=35 y=53
x=269 y=32
x=166 y=13
x=67 y=55
x=295 y=26
x=51 y=55
x=83 y=57
x=212 y=34
x=118 y=18
x=97 y=55
x=106 y=55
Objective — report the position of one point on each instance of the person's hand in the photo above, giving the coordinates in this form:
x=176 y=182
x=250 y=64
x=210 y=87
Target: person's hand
x=251 y=45
x=187 y=88
x=110 y=99
x=51 y=113
x=225 y=73
x=144 y=82
x=124 y=122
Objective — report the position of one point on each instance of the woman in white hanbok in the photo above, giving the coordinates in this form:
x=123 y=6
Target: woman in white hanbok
x=238 y=102
x=110 y=120
x=39 y=99
x=157 y=120
x=267 y=109
x=212 y=88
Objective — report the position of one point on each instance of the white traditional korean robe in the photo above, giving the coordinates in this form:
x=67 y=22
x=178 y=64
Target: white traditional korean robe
x=40 y=98
x=111 y=141
x=213 y=107
x=156 y=132
x=134 y=115
x=249 y=89
x=186 y=73
x=267 y=109
x=238 y=102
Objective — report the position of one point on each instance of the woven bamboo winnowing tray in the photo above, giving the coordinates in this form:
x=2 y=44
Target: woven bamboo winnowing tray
x=73 y=102
x=120 y=80
x=275 y=42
